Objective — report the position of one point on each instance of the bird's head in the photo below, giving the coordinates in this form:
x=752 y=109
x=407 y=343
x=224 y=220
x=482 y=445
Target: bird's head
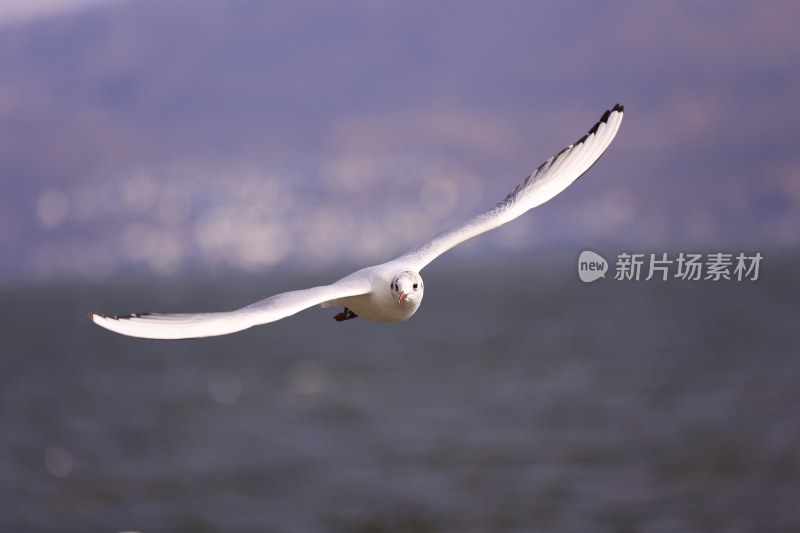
x=407 y=288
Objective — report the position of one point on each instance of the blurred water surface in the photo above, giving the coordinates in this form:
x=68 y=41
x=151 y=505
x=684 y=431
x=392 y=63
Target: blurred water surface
x=517 y=399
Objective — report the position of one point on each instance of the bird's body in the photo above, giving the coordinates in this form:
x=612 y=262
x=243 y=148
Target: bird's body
x=382 y=303
x=391 y=291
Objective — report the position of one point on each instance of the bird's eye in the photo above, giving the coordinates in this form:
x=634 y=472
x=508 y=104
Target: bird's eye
x=416 y=285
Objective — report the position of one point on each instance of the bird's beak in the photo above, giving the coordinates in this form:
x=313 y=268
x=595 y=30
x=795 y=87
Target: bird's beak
x=403 y=297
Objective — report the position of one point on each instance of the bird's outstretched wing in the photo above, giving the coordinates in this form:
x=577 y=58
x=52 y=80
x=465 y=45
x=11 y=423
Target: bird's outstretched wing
x=552 y=177
x=192 y=325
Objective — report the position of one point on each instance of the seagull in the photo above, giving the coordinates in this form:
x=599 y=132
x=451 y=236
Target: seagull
x=391 y=291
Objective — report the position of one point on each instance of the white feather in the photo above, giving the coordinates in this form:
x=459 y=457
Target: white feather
x=192 y=325
x=552 y=177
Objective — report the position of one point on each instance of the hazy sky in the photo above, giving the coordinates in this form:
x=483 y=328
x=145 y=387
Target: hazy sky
x=21 y=11
x=178 y=134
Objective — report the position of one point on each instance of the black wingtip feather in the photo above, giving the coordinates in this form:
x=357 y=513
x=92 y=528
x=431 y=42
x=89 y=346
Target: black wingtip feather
x=128 y=317
x=90 y=315
x=603 y=120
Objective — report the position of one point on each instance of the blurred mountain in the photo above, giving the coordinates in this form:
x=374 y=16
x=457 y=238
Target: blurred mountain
x=182 y=134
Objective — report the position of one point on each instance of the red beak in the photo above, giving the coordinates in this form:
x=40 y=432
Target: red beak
x=403 y=296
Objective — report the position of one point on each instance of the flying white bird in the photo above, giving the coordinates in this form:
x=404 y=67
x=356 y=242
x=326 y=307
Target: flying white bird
x=392 y=291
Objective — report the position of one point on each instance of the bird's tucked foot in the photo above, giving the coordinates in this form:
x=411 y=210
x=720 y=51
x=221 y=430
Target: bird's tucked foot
x=346 y=314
